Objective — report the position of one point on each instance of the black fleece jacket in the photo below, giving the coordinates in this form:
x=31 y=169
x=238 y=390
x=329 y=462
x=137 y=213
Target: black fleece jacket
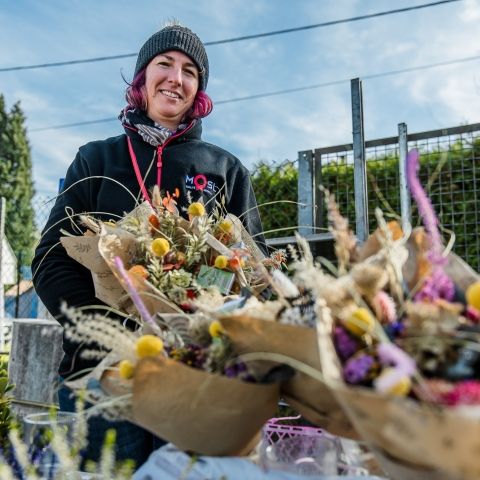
x=99 y=181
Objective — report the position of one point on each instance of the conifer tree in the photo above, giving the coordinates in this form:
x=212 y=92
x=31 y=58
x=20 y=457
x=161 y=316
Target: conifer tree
x=16 y=183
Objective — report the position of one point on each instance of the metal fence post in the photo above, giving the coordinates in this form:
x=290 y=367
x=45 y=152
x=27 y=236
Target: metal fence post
x=19 y=280
x=360 y=167
x=2 y=261
x=402 y=165
x=319 y=213
x=306 y=193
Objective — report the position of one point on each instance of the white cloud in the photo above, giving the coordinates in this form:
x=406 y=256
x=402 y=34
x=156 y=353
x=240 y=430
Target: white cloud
x=471 y=11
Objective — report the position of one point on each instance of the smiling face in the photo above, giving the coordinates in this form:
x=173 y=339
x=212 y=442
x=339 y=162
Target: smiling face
x=171 y=83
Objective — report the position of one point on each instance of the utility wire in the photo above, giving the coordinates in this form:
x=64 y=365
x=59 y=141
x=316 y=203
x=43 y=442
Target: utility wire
x=289 y=90
x=239 y=39
x=347 y=80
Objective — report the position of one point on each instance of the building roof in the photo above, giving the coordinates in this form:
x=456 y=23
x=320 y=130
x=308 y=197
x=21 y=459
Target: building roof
x=25 y=286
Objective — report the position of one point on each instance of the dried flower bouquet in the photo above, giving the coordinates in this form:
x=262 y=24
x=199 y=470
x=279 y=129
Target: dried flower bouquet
x=170 y=259
x=399 y=343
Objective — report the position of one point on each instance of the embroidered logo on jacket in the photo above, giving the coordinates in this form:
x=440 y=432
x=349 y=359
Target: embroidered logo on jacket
x=202 y=183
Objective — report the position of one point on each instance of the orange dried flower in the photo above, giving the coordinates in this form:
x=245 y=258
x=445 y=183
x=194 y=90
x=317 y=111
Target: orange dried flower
x=139 y=271
x=154 y=221
x=235 y=263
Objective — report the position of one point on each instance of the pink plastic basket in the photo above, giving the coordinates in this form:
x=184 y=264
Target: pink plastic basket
x=273 y=430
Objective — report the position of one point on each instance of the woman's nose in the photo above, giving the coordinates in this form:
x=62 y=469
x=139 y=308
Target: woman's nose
x=175 y=75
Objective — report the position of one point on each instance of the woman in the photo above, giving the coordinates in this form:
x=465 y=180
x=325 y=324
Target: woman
x=161 y=146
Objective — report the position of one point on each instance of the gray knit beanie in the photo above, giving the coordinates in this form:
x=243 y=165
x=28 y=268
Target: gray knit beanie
x=175 y=37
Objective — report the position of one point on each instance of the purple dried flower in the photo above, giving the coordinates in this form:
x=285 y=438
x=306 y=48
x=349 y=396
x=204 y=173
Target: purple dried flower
x=238 y=370
x=395 y=329
x=345 y=344
x=425 y=207
x=230 y=372
x=390 y=354
x=438 y=285
x=357 y=369
x=134 y=294
x=403 y=366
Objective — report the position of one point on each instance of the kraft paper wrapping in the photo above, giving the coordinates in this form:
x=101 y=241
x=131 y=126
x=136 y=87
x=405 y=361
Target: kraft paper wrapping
x=125 y=246
x=416 y=436
x=308 y=396
x=200 y=412
x=85 y=251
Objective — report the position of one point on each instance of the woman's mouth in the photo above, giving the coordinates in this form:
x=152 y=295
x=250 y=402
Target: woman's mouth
x=170 y=94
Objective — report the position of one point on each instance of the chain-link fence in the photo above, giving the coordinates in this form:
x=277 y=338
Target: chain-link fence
x=449 y=171
x=20 y=299
x=276 y=190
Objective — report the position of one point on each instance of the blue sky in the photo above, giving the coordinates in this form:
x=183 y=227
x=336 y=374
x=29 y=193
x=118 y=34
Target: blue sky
x=272 y=128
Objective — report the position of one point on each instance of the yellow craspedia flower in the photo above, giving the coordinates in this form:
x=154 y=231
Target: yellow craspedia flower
x=221 y=262
x=215 y=329
x=401 y=388
x=473 y=295
x=360 y=322
x=126 y=369
x=196 y=209
x=160 y=247
x=148 y=346
x=225 y=226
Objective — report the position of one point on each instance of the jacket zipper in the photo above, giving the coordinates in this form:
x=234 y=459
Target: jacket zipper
x=160 y=153
x=160 y=148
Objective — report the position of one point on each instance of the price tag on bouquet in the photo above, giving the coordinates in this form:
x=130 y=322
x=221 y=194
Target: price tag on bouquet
x=211 y=276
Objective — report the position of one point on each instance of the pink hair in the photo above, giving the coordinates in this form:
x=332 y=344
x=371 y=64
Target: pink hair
x=135 y=97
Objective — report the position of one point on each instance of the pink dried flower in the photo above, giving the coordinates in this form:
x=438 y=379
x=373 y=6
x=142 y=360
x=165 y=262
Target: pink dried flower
x=384 y=306
x=463 y=393
x=472 y=314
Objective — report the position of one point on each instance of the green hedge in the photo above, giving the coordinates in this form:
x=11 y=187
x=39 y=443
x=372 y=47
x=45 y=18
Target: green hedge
x=277 y=184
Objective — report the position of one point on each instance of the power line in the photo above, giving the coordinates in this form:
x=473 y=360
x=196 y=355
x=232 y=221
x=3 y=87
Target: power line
x=76 y=124
x=289 y=90
x=238 y=39
x=347 y=80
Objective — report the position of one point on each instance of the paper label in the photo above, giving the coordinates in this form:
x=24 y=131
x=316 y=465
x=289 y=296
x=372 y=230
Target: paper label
x=211 y=276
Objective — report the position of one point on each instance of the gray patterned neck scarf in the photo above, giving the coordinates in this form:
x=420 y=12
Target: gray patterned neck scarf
x=151 y=132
